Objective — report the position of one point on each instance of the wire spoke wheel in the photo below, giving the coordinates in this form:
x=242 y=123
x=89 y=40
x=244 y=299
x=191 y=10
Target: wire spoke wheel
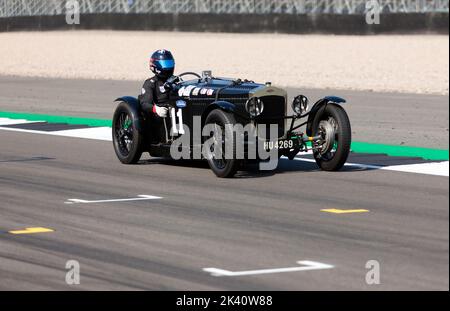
x=124 y=133
x=218 y=158
x=329 y=132
x=333 y=147
x=127 y=140
x=218 y=148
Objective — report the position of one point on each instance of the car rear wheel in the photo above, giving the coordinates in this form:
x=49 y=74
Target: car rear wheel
x=332 y=150
x=223 y=137
x=127 y=140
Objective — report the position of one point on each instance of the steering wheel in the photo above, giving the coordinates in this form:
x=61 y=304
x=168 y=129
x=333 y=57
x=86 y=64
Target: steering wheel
x=188 y=74
x=177 y=79
x=174 y=80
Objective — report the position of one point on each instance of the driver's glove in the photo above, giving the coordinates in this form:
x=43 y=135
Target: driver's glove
x=160 y=111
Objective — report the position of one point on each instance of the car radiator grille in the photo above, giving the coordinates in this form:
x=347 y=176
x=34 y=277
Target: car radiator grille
x=273 y=113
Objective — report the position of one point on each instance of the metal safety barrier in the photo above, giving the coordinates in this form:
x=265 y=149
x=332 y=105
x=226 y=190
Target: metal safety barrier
x=11 y=8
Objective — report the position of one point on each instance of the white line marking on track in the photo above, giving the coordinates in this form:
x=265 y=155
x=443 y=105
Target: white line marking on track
x=7 y=121
x=97 y=133
x=140 y=197
x=100 y=133
x=432 y=168
x=307 y=265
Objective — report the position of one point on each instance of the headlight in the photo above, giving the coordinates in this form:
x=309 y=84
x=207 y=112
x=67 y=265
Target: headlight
x=300 y=104
x=254 y=106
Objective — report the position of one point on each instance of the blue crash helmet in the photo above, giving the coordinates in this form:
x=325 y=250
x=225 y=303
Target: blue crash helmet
x=162 y=64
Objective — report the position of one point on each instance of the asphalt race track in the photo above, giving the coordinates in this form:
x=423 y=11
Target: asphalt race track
x=409 y=119
x=258 y=220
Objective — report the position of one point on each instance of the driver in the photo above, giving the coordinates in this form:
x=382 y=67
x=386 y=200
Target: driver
x=154 y=96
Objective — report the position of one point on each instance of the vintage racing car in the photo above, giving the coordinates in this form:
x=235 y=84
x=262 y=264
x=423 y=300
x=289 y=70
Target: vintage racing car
x=222 y=102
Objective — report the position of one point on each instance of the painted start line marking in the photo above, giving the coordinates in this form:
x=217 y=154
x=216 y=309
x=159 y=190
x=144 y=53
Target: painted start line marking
x=31 y=230
x=307 y=265
x=140 y=197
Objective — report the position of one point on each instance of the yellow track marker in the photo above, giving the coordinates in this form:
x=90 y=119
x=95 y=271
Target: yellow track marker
x=31 y=230
x=344 y=211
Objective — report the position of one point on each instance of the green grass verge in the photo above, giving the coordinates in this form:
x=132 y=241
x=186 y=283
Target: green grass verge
x=55 y=119
x=400 y=151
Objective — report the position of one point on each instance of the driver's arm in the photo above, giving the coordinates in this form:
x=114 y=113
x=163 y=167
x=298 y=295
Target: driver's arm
x=146 y=98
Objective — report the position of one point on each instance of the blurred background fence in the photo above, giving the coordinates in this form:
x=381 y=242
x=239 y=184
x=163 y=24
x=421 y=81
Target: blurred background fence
x=289 y=16
x=9 y=8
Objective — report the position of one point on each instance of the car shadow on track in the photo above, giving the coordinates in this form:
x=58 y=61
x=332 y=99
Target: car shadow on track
x=171 y=162
x=252 y=170
x=288 y=166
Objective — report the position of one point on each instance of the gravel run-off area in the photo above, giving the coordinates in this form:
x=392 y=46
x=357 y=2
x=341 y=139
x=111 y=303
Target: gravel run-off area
x=392 y=63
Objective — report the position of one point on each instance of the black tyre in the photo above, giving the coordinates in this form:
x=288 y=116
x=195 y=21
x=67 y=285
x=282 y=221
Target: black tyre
x=333 y=125
x=127 y=140
x=222 y=166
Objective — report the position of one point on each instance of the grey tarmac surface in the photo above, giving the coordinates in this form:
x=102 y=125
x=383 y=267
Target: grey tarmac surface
x=389 y=118
x=254 y=221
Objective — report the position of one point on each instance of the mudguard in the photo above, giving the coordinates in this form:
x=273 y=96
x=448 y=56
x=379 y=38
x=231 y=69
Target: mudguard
x=223 y=105
x=135 y=107
x=318 y=107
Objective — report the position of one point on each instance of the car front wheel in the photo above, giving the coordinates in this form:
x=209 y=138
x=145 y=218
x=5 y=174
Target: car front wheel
x=333 y=126
x=221 y=161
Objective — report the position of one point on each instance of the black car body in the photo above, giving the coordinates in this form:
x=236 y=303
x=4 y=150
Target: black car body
x=237 y=101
